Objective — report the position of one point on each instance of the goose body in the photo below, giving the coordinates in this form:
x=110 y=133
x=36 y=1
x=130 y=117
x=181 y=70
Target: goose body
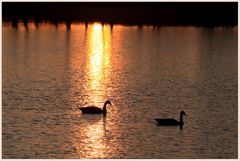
x=94 y=109
x=171 y=122
x=167 y=122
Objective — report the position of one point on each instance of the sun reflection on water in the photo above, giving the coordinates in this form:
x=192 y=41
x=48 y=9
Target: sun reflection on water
x=98 y=66
x=94 y=139
x=98 y=63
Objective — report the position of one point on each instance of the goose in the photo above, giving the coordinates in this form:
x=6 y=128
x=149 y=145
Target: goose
x=171 y=122
x=94 y=109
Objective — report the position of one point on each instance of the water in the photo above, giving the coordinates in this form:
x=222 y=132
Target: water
x=146 y=72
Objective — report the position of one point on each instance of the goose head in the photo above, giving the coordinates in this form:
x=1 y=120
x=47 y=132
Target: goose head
x=183 y=113
x=108 y=102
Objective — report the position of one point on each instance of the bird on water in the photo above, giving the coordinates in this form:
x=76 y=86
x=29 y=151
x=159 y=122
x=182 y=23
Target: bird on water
x=94 y=109
x=171 y=122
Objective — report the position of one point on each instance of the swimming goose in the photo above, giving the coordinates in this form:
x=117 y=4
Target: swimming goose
x=94 y=109
x=171 y=122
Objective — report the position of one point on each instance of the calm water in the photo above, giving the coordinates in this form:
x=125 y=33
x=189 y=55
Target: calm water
x=48 y=72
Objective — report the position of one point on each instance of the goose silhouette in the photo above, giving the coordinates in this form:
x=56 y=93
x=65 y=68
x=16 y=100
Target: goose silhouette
x=94 y=109
x=171 y=122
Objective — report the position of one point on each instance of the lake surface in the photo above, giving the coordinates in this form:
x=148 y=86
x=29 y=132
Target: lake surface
x=146 y=72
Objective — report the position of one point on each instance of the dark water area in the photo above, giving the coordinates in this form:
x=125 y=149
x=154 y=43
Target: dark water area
x=146 y=72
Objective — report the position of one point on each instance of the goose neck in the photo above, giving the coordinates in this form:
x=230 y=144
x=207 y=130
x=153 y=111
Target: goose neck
x=105 y=107
x=181 y=119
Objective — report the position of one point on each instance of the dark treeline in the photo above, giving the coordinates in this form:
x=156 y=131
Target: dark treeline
x=131 y=13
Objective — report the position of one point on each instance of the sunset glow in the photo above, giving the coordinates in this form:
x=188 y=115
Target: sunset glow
x=123 y=80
